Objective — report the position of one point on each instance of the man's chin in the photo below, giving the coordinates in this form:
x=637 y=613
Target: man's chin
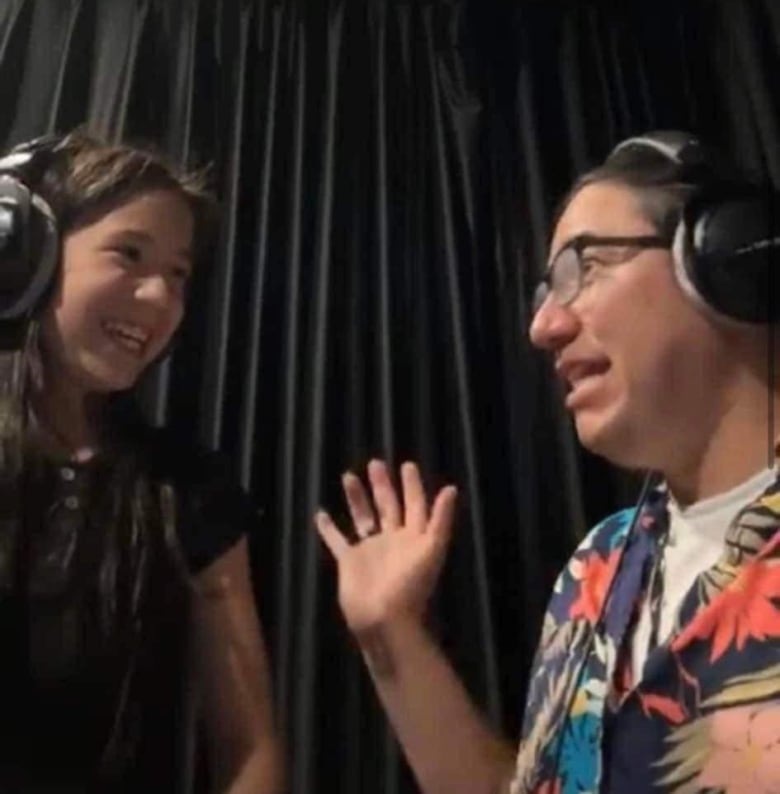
x=606 y=438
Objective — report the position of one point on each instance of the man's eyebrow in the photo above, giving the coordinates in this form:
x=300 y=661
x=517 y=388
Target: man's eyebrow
x=589 y=238
x=567 y=243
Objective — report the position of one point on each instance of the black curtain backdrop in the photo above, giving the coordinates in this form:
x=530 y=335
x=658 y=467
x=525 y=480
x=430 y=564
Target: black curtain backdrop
x=387 y=170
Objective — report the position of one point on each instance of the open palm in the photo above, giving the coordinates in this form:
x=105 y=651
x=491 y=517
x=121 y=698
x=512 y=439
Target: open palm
x=392 y=569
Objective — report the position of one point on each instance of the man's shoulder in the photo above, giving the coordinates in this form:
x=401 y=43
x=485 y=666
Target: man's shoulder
x=583 y=583
x=609 y=533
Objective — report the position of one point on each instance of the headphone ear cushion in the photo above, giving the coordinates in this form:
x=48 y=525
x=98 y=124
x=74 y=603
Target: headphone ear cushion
x=727 y=256
x=29 y=249
x=684 y=270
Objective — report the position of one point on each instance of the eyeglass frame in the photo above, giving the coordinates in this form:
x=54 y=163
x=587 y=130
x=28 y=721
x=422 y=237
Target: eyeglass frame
x=578 y=244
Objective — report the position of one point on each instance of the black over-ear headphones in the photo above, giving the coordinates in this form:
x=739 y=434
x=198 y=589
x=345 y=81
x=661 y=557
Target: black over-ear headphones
x=29 y=236
x=726 y=246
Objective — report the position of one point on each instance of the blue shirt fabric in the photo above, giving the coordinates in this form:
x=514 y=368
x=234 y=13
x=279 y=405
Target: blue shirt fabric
x=705 y=716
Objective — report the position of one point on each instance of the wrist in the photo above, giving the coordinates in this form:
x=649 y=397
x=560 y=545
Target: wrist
x=394 y=628
x=387 y=644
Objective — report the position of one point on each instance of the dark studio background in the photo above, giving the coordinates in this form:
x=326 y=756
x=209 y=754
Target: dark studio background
x=387 y=170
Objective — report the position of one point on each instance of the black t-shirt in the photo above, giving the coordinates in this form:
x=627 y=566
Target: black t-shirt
x=216 y=511
x=94 y=607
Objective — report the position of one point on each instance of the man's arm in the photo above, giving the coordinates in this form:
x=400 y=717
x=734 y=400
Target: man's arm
x=385 y=581
x=446 y=740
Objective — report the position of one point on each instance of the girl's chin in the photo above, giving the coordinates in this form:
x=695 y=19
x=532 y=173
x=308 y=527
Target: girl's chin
x=106 y=381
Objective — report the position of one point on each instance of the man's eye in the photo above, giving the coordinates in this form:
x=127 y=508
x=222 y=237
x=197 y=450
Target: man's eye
x=607 y=255
x=591 y=266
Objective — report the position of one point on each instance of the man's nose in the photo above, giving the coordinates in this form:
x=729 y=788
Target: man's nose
x=553 y=325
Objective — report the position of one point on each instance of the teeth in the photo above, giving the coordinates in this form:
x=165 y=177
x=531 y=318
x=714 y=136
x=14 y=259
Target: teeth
x=129 y=336
x=575 y=384
x=583 y=371
x=578 y=372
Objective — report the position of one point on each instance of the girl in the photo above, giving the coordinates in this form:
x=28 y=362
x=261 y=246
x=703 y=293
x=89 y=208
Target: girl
x=124 y=577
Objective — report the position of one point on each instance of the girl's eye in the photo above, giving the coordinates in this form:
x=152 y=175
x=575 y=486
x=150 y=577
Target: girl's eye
x=181 y=274
x=132 y=253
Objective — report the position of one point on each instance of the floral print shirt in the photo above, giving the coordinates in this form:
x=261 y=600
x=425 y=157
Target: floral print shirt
x=705 y=716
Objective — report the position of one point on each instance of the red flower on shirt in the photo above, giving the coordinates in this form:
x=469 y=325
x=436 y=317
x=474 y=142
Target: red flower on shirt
x=665 y=706
x=743 y=610
x=594 y=574
x=551 y=786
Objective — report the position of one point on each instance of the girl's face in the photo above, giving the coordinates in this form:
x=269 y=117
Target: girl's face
x=120 y=294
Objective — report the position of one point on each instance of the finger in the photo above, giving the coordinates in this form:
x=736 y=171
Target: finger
x=415 y=502
x=331 y=535
x=385 y=496
x=359 y=505
x=443 y=514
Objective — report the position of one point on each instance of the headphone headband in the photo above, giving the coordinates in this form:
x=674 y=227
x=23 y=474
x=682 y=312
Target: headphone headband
x=37 y=153
x=681 y=148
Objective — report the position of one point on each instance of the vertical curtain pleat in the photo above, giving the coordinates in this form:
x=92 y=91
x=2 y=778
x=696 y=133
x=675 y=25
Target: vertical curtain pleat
x=119 y=26
x=40 y=80
x=383 y=310
x=574 y=98
x=384 y=336
x=757 y=83
x=215 y=385
x=179 y=27
x=58 y=22
x=444 y=201
x=289 y=598
x=9 y=18
x=258 y=285
x=305 y=693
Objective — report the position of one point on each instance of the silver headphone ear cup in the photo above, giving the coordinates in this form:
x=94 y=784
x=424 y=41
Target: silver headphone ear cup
x=15 y=161
x=50 y=252
x=26 y=299
x=681 y=257
x=694 y=268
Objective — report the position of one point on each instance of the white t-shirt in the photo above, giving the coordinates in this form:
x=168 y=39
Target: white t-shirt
x=696 y=537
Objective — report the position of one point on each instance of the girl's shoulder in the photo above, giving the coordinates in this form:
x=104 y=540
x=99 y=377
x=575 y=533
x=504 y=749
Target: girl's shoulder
x=213 y=509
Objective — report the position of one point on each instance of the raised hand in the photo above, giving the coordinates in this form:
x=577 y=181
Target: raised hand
x=390 y=572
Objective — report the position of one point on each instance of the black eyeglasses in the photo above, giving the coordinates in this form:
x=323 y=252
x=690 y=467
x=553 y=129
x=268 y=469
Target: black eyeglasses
x=564 y=277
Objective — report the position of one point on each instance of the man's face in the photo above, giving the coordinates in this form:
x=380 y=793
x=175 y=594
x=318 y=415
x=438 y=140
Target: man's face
x=646 y=372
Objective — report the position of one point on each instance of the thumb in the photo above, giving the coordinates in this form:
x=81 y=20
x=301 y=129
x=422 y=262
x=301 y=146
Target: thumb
x=336 y=543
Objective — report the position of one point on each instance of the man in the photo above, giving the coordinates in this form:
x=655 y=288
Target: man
x=659 y=664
